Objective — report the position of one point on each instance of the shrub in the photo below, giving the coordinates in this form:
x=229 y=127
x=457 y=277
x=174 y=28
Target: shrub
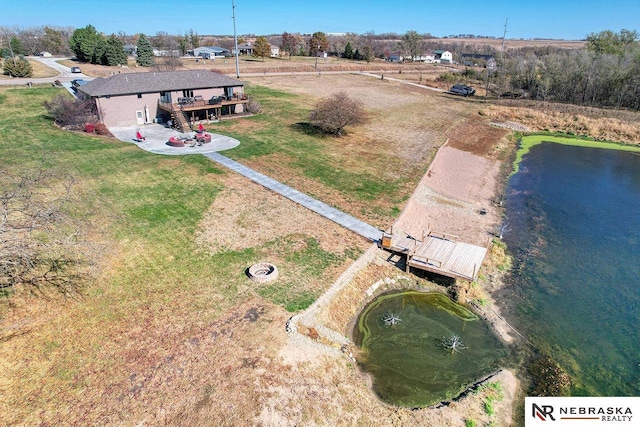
x=333 y=114
x=253 y=106
x=72 y=113
x=488 y=407
x=448 y=78
x=101 y=129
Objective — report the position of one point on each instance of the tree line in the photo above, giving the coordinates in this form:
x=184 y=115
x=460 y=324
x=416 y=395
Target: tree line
x=606 y=73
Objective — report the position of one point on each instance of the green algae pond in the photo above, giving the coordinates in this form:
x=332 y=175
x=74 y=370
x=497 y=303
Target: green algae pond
x=404 y=338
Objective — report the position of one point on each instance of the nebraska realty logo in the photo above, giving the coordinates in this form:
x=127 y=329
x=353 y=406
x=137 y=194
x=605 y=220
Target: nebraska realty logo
x=582 y=411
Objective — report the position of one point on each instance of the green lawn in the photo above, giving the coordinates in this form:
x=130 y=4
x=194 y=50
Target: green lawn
x=149 y=203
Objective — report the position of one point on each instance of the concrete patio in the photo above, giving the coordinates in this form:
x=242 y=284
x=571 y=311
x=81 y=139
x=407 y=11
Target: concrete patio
x=158 y=135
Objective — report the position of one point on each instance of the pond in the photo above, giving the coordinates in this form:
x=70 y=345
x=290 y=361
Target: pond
x=407 y=355
x=574 y=232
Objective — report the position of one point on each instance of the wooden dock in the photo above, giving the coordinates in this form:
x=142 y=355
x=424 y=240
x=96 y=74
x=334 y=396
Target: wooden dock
x=439 y=253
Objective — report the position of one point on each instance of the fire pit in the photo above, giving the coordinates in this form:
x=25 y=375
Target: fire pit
x=263 y=272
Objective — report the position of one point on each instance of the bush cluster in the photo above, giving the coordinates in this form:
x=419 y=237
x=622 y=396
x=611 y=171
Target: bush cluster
x=333 y=114
x=72 y=113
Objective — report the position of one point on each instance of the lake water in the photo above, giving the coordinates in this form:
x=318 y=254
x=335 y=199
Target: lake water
x=574 y=230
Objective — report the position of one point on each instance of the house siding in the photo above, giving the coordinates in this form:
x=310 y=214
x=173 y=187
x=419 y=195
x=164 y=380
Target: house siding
x=121 y=110
x=119 y=97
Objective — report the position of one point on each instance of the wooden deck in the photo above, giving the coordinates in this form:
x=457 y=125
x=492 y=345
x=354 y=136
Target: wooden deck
x=185 y=113
x=439 y=253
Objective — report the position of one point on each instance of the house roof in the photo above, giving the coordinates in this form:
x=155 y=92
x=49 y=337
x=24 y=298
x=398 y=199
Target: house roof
x=130 y=83
x=215 y=49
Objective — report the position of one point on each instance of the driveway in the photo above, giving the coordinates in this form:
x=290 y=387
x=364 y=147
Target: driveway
x=157 y=137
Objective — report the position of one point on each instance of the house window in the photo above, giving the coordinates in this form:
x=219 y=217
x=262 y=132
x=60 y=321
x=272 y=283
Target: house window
x=139 y=96
x=187 y=93
x=165 y=97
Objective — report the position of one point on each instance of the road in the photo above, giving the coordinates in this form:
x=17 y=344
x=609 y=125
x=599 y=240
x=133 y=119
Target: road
x=64 y=74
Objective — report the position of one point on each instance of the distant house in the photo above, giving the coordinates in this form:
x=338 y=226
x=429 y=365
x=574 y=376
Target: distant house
x=130 y=49
x=443 y=56
x=398 y=57
x=247 y=49
x=165 y=52
x=476 y=59
x=209 y=52
x=137 y=98
x=244 y=49
x=426 y=57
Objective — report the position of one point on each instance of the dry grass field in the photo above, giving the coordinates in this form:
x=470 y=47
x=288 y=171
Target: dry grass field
x=515 y=43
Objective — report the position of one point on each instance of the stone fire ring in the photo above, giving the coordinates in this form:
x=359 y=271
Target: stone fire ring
x=263 y=272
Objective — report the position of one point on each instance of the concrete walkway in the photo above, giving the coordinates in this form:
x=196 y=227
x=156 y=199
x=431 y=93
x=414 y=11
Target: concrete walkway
x=341 y=218
x=156 y=142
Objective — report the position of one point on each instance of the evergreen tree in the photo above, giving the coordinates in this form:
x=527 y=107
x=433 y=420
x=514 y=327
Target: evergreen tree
x=16 y=46
x=348 y=51
x=17 y=67
x=83 y=43
x=114 y=52
x=145 y=52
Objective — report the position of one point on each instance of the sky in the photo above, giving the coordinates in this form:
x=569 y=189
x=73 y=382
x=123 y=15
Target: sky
x=525 y=19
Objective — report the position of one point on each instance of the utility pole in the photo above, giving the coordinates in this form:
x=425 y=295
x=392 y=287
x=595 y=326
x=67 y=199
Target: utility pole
x=235 y=38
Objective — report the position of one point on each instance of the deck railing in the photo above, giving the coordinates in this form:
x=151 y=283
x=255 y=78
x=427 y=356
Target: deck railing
x=197 y=102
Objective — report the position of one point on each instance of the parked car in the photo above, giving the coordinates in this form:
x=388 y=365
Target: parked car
x=464 y=90
x=76 y=70
x=78 y=82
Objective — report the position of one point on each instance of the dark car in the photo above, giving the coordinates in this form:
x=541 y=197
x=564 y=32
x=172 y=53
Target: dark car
x=78 y=82
x=464 y=90
x=76 y=70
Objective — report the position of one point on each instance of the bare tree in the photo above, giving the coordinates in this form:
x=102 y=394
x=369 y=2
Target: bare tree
x=412 y=44
x=168 y=63
x=333 y=114
x=40 y=244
